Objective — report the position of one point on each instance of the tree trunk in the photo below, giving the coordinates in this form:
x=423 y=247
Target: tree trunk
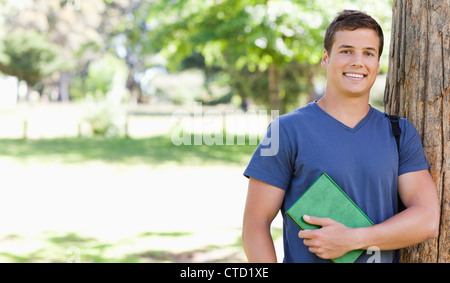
x=417 y=88
x=134 y=89
x=64 y=84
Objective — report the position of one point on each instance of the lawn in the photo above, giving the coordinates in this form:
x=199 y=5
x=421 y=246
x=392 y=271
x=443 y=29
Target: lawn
x=151 y=151
x=121 y=200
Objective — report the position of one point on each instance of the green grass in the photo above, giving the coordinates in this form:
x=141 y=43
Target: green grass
x=152 y=151
x=55 y=246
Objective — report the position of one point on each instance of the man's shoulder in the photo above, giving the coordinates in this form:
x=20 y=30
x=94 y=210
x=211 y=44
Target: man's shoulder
x=404 y=123
x=299 y=115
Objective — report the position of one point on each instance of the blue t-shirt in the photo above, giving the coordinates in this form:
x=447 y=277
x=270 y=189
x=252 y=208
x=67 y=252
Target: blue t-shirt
x=363 y=161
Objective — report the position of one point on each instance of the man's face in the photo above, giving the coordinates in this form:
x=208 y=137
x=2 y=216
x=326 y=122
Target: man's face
x=352 y=65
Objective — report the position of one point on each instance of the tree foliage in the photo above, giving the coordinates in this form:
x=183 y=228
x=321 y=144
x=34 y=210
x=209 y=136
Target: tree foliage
x=266 y=50
x=270 y=49
x=43 y=39
x=30 y=57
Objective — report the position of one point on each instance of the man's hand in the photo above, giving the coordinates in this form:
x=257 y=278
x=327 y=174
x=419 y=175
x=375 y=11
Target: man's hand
x=331 y=241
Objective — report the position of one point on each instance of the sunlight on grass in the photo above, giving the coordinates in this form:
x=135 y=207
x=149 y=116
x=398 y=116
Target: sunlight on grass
x=121 y=200
x=51 y=246
x=156 y=151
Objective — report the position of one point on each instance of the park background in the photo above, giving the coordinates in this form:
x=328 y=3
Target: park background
x=89 y=88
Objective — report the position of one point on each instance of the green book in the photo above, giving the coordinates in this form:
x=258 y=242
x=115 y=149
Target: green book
x=324 y=198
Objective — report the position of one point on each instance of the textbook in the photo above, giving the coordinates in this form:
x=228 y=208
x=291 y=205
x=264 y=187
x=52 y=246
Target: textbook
x=324 y=198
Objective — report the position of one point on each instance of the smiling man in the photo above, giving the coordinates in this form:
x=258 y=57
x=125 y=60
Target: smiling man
x=343 y=136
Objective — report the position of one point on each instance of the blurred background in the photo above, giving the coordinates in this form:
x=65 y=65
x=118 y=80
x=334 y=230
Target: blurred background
x=89 y=171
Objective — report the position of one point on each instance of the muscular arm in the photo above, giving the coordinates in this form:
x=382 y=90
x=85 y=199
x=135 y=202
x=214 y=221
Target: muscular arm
x=417 y=223
x=263 y=203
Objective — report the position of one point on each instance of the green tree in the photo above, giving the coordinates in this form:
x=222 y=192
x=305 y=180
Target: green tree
x=72 y=32
x=249 y=40
x=30 y=57
x=127 y=39
x=267 y=44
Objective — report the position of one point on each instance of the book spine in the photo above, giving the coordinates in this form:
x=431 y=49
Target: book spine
x=295 y=221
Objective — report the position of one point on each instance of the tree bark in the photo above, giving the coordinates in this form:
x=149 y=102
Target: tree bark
x=417 y=88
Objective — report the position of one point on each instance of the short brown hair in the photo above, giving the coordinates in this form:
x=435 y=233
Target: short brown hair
x=352 y=20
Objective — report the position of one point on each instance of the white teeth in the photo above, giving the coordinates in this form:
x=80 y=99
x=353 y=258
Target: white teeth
x=354 y=75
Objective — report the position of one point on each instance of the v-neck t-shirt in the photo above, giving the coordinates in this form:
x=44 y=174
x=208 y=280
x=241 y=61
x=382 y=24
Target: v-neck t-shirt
x=363 y=161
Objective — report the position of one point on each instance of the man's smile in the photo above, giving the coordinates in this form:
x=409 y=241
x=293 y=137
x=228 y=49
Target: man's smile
x=355 y=75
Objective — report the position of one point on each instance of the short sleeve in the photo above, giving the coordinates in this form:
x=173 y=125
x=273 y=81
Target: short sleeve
x=412 y=157
x=272 y=161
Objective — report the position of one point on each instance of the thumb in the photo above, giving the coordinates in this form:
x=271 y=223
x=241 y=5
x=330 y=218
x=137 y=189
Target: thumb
x=318 y=220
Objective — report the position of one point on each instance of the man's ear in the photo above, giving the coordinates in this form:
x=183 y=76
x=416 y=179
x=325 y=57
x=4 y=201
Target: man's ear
x=324 y=62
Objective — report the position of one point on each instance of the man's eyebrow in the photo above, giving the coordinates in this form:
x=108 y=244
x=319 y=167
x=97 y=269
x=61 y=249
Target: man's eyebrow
x=371 y=48
x=345 y=46
x=349 y=46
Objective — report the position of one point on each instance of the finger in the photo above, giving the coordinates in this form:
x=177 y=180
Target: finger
x=306 y=234
x=319 y=252
x=315 y=250
x=310 y=243
x=318 y=220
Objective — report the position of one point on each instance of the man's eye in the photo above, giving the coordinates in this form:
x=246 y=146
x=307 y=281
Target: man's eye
x=345 y=51
x=370 y=54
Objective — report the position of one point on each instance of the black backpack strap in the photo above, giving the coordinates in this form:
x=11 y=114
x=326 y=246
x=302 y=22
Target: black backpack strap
x=395 y=125
x=396 y=129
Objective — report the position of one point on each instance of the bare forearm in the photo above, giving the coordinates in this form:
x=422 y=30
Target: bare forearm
x=263 y=204
x=419 y=222
x=258 y=244
x=414 y=225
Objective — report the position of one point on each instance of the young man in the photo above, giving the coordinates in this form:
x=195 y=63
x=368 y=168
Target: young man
x=343 y=136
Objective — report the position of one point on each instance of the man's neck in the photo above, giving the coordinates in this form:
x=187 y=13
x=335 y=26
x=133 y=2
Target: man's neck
x=349 y=111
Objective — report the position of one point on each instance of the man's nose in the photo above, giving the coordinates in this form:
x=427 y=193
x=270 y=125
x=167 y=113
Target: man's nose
x=357 y=61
